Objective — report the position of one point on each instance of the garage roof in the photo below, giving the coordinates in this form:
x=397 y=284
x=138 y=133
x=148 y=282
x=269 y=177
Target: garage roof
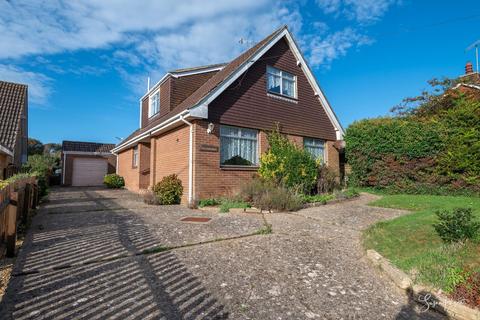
x=79 y=146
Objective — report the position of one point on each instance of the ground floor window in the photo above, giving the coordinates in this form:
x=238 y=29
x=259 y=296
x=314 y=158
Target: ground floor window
x=238 y=146
x=135 y=157
x=315 y=147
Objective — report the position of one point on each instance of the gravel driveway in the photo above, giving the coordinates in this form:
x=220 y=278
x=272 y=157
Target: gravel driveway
x=97 y=253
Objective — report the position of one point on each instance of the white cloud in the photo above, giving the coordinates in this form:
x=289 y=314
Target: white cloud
x=363 y=11
x=323 y=51
x=39 y=27
x=147 y=38
x=38 y=84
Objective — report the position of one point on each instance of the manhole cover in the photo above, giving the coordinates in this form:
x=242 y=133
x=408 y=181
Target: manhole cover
x=196 y=219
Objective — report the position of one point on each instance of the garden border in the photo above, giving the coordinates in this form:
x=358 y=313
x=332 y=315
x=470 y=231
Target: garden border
x=421 y=294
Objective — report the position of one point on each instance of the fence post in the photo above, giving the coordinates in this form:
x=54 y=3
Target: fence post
x=11 y=232
x=35 y=196
x=26 y=204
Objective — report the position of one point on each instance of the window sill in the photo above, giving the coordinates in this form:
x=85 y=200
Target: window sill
x=282 y=97
x=154 y=115
x=238 y=168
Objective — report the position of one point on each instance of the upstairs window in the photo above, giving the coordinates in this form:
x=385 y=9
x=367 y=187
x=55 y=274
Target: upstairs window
x=238 y=146
x=281 y=82
x=154 y=104
x=135 y=157
x=315 y=147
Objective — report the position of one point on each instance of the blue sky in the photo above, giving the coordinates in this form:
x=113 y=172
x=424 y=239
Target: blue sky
x=86 y=62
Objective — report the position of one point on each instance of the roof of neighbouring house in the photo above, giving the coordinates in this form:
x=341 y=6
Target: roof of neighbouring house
x=13 y=99
x=80 y=146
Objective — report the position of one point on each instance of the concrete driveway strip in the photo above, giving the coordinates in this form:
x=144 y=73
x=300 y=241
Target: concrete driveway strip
x=90 y=254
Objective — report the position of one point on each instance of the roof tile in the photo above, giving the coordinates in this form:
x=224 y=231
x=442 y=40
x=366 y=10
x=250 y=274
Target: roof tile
x=13 y=99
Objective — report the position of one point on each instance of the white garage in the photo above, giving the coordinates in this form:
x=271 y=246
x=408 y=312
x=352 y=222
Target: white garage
x=89 y=171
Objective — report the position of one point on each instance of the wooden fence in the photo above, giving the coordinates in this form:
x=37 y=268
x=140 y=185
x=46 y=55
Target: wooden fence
x=17 y=201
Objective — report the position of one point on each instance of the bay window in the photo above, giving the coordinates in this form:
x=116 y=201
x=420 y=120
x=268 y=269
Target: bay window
x=238 y=146
x=281 y=82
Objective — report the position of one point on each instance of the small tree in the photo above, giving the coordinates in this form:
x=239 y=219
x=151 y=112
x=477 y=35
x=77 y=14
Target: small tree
x=286 y=164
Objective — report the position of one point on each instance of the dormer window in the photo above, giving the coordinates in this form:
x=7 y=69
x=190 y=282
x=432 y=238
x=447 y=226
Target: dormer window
x=281 y=82
x=154 y=104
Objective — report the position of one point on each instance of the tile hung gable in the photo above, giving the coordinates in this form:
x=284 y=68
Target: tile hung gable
x=246 y=102
x=201 y=104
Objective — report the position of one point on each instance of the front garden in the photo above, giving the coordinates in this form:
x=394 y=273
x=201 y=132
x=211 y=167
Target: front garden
x=426 y=158
x=413 y=244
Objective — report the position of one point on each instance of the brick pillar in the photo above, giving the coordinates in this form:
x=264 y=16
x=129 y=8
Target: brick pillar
x=332 y=157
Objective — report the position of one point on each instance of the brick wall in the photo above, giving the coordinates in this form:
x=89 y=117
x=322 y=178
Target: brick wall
x=127 y=171
x=210 y=180
x=170 y=156
x=144 y=163
x=332 y=157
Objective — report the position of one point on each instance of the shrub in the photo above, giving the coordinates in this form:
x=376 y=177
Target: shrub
x=468 y=291
x=281 y=199
x=169 y=190
x=114 y=181
x=286 y=164
x=208 y=202
x=456 y=225
x=327 y=180
x=227 y=204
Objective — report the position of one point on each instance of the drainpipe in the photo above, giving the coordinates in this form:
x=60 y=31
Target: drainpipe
x=190 y=162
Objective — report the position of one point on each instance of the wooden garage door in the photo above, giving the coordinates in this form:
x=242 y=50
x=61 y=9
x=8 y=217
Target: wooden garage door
x=89 y=171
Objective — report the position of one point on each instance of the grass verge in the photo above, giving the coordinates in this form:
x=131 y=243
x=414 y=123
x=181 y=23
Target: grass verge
x=411 y=243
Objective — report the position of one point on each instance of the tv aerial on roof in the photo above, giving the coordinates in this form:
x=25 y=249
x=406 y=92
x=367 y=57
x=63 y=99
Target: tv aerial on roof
x=475 y=45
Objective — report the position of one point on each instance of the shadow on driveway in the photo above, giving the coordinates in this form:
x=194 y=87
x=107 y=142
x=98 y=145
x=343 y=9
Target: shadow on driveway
x=86 y=263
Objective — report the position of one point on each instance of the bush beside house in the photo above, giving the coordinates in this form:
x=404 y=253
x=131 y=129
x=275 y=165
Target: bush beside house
x=114 y=181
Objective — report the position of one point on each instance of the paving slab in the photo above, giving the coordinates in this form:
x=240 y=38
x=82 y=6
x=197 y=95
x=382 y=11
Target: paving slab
x=84 y=263
x=160 y=287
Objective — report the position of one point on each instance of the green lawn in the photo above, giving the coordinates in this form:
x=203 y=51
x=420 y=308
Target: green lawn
x=412 y=244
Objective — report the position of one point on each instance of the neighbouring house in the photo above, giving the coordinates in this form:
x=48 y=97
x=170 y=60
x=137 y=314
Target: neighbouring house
x=86 y=163
x=13 y=127
x=209 y=124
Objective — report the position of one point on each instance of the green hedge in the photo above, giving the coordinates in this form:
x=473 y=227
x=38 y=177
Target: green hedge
x=435 y=154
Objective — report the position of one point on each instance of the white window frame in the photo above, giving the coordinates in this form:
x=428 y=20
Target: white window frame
x=135 y=157
x=151 y=111
x=306 y=144
x=257 y=155
x=281 y=82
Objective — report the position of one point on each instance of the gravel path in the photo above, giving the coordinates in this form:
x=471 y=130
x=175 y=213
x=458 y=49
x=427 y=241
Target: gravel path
x=85 y=258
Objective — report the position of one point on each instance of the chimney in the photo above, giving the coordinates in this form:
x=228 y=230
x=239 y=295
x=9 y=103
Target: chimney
x=468 y=68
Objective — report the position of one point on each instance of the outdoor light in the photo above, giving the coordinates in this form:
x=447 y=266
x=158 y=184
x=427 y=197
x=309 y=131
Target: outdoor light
x=210 y=128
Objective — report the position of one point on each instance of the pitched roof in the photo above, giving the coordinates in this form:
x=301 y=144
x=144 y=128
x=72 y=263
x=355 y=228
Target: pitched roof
x=13 y=99
x=79 y=146
x=222 y=77
x=211 y=83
